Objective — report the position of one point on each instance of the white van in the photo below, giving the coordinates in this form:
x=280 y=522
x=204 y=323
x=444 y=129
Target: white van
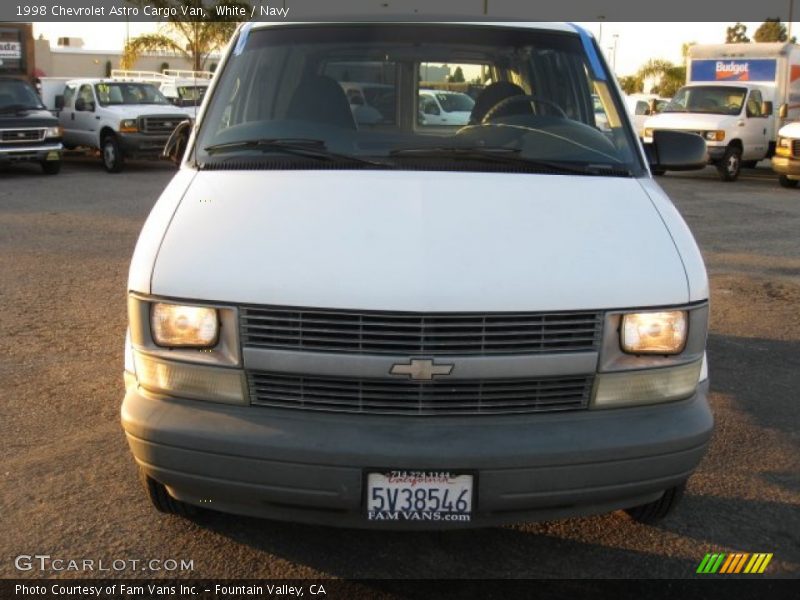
x=400 y=326
x=443 y=107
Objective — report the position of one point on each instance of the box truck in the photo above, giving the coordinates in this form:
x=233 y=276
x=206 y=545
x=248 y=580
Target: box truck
x=737 y=97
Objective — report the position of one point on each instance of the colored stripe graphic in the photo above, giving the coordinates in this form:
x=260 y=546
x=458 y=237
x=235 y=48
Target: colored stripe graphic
x=758 y=563
x=734 y=563
x=711 y=563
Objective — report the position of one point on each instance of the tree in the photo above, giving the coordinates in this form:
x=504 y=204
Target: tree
x=457 y=77
x=194 y=40
x=772 y=30
x=631 y=84
x=737 y=34
x=668 y=76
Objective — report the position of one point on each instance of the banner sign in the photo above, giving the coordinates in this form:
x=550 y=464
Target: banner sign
x=734 y=70
x=10 y=50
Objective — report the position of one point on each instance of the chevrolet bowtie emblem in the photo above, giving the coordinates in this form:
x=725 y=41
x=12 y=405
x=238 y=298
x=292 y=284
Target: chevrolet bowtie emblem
x=421 y=369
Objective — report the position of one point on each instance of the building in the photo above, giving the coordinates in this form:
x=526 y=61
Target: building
x=70 y=59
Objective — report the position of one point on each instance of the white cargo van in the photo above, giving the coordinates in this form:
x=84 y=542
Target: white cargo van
x=394 y=325
x=731 y=97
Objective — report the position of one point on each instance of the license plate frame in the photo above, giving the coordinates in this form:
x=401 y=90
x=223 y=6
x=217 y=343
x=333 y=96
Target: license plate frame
x=458 y=478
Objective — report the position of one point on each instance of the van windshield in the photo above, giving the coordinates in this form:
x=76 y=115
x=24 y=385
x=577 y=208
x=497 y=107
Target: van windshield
x=455 y=102
x=715 y=99
x=128 y=93
x=526 y=96
x=18 y=95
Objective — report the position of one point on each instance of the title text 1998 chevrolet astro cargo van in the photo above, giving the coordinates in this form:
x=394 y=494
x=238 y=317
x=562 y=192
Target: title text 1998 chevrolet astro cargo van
x=387 y=324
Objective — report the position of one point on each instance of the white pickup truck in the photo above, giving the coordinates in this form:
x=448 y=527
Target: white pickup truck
x=121 y=119
x=729 y=99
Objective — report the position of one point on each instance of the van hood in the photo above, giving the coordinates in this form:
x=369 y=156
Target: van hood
x=27 y=118
x=131 y=111
x=790 y=130
x=419 y=241
x=690 y=121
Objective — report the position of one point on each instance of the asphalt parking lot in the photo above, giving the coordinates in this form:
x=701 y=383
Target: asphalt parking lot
x=69 y=482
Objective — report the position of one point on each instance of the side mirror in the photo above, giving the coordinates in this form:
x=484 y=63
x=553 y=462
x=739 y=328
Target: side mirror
x=783 y=111
x=80 y=104
x=676 y=151
x=766 y=109
x=177 y=142
x=59 y=100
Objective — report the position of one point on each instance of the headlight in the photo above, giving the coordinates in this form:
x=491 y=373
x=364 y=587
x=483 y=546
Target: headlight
x=784 y=142
x=648 y=132
x=176 y=325
x=128 y=126
x=56 y=131
x=648 y=386
x=714 y=136
x=184 y=380
x=654 y=332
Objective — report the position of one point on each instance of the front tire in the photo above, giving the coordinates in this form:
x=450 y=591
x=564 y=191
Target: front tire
x=111 y=153
x=161 y=500
x=655 y=511
x=786 y=182
x=730 y=165
x=51 y=167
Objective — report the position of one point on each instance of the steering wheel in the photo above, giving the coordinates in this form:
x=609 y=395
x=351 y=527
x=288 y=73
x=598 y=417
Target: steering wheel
x=492 y=112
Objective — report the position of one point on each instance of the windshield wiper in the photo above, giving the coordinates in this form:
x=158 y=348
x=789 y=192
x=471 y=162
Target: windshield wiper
x=16 y=108
x=305 y=147
x=511 y=156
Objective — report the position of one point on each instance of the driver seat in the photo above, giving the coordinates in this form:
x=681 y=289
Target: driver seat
x=494 y=93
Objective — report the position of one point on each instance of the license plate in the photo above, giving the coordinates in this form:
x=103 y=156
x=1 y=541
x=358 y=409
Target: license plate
x=419 y=496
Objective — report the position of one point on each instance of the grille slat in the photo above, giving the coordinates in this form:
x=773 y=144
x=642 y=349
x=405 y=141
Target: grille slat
x=432 y=333
x=795 y=147
x=441 y=397
x=379 y=396
x=517 y=331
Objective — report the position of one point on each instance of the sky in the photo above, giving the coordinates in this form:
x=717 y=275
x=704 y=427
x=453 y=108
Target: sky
x=635 y=42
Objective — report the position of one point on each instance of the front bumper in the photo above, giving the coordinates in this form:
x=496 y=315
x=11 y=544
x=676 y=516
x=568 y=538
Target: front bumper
x=786 y=165
x=715 y=153
x=140 y=145
x=310 y=467
x=44 y=152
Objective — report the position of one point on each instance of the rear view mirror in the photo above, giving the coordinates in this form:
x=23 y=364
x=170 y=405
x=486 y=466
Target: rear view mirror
x=676 y=151
x=177 y=142
x=766 y=109
x=59 y=100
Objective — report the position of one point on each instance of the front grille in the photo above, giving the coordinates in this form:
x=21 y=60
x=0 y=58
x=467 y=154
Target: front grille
x=419 y=333
x=795 y=147
x=159 y=125
x=406 y=397
x=16 y=136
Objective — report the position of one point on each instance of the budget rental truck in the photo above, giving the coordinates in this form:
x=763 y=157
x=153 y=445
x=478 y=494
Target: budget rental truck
x=736 y=96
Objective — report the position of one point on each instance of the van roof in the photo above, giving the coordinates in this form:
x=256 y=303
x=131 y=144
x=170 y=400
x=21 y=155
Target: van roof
x=516 y=24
